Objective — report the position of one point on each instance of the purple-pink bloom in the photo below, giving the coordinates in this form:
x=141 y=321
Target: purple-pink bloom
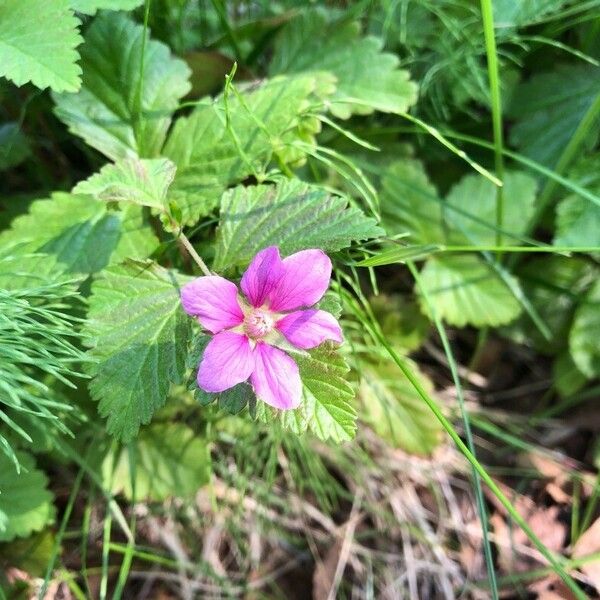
x=250 y=329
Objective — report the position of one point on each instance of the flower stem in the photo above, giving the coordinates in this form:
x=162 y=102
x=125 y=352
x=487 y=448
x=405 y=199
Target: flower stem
x=194 y=254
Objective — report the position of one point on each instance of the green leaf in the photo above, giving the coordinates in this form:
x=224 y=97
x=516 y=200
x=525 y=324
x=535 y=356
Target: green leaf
x=112 y=112
x=136 y=180
x=169 y=459
x=464 y=290
x=292 y=215
x=549 y=107
x=38 y=41
x=475 y=198
x=410 y=203
x=577 y=223
x=585 y=333
x=83 y=234
x=367 y=78
x=327 y=406
x=395 y=410
x=401 y=321
x=211 y=154
x=552 y=285
x=517 y=13
x=139 y=332
x=89 y=7
x=25 y=503
x=568 y=379
x=14 y=146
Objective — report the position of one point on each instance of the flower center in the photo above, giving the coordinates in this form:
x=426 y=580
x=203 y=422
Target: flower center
x=258 y=323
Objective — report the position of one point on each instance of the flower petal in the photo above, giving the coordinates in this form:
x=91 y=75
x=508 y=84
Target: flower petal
x=262 y=275
x=227 y=361
x=213 y=300
x=276 y=378
x=304 y=280
x=308 y=328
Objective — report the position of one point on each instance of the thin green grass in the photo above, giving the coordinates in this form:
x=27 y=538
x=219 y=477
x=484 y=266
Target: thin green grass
x=494 y=81
x=481 y=509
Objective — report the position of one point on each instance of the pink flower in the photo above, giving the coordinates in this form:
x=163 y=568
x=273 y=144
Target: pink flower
x=248 y=330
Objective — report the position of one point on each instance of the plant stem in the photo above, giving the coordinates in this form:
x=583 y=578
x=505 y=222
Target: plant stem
x=194 y=254
x=493 y=75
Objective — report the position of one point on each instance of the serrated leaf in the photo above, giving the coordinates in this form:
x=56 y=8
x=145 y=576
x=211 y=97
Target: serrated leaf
x=548 y=109
x=81 y=232
x=89 y=7
x=38 y=41
x=169 y=460
x=464 y=290
x=211 y=155
x=410 y=203
x=105 y=111
x=25 y=503
x=292 y=215
x=136 y=180
x=394 y=409
x=585 y=333
x=364 y=73
x=475 y=198
x=327 y=407
x=139 y=333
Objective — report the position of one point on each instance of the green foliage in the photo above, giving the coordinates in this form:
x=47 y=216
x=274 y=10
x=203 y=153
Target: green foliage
x=577 y=223
x=136 y=180
x=549 y=108
x=367 y=79
x=85 y=235
x=585 y=333
x=466 y=291
x=516 y=13
x=292 y=215
x=552 y=284
x=395 y=411
x=115 y=111
x=166 y=460
x=38 y=41
x=38 y=348
x=14 y=146
x=410 y=203
x=89 y=7
x=139 y=334
x=25 y=503
x=236 y=136
x=327 y=408
x=474 y=200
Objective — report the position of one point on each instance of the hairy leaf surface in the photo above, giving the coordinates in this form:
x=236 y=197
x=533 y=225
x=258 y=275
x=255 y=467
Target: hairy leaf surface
x=112 y=112
x=223 y=142
x=135 y=180
x=327 y=407
x=139 y=332
x=84 y=234
x=292 y=215
x=38 y=41
x=364 y=73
